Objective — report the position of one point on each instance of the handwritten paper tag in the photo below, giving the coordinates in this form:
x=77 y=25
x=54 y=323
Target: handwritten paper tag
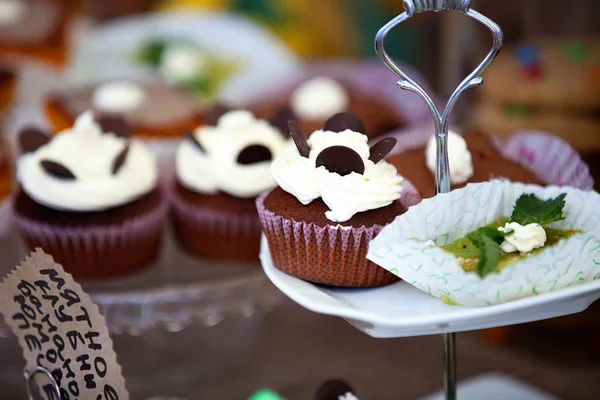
x=61 y=330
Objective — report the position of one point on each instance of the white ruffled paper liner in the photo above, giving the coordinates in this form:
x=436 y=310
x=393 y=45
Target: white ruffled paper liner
x=400 y=248
x=98 y=251
x=549 y=157
x=332 y=255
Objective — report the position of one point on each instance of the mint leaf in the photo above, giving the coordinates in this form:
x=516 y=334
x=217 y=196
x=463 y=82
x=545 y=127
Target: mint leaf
x=493 y=233
x=490 y=253
x=529 y=210
x=152 y=52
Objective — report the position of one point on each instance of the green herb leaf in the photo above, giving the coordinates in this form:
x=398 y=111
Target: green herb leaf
x=493 y=233
x=490 y=253
x=529 y=209
x=152 y=52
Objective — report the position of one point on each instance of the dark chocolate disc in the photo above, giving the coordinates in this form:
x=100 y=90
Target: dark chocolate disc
x=32 y=138
x=120 y=159
x=333 y=389
x=299 y=139
x=381 y=149
x=115 y=124
x=345 y=120
x=253 y=154
x=57 y=170
x=340 y=160
x=190 y=136
x=214 y=113
x=280 y=120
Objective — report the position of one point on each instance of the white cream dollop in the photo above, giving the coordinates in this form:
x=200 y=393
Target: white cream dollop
x=12 y=11
x=89 y=154
x=459 y=158
x=345 y=196
x=319 y=98
x=522 y=238
x=217 y=169
x=118 y=97
x=348 y=396
x=183 y=62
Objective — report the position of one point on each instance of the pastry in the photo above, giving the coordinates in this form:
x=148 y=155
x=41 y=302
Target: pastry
x=90 y=198
x=220 y=170
x=8 y=83
x=151 y=110
x=335 y=194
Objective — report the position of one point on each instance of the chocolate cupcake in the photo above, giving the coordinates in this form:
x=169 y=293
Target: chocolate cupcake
x=90 y=198
x=335 y=389
x=335 y=194
x=315 y=100
x=219 y=172
x=150 y=109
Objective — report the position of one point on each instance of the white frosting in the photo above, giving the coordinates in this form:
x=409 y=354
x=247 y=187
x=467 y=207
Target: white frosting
x=217 y=169
x=319 y=98
x=119 y=97
x=347 y=195
x=459 y=158
x=12 y=11
x=89 y=154
x=523 y=238
x=183 y=62
x=348 y=396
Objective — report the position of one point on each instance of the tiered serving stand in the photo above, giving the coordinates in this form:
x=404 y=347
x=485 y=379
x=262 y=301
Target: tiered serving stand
x=400 y=310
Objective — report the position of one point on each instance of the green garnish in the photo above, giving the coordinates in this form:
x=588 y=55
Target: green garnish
x=489 y=253
x=152 y=52
x=531 y=210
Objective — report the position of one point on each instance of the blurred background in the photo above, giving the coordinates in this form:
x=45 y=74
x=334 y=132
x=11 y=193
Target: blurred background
x=256 y=48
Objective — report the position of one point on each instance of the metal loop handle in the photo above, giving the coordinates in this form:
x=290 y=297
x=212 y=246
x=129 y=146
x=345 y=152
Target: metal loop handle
x=442 y=177
x=29 y=378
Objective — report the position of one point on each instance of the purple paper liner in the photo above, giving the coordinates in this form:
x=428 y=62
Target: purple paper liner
x=549 y=157
x=97 y=251
x=5 y=215
x=332 y=255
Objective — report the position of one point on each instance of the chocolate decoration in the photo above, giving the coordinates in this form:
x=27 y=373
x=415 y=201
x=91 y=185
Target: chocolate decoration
x=115 y=124
x=299 y=139
x=253 y=154
x=120 y=158
x=57 y=170
x=333 y=389
x=214 y=113
x=280 y=119
x=341 y=160
x=190 y=136
x=32 y=138
x=381 y=149
x=345 y=120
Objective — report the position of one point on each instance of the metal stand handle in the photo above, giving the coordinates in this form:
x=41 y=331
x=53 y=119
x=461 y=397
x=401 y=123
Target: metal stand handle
x=30 y=380
x=441 y=119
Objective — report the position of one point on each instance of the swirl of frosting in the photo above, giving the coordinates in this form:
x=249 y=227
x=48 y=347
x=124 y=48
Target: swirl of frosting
x=459 y=158
x=89 y=153
x=216 y=166
x=319 y=98
x=346 y=195
x=119 y=97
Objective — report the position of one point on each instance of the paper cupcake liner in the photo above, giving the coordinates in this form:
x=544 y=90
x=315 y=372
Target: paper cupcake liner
x=549 y=157
x=333 y=255
x=401 y=249
x=207 y=232
x=97 y=251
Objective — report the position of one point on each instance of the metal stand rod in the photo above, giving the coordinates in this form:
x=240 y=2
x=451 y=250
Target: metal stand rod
x=450 y=366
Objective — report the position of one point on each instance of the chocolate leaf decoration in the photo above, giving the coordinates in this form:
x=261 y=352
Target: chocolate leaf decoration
x=333 y=389
x=57 y=170
x=115 y=124
x=381 y=149
x=280 y=119
x=299 y=139
x=190 y=136
x=214 y=113
x=120 y=158
x=32 y=138
x=253 y=154
x=341 y=160
x=345 y=120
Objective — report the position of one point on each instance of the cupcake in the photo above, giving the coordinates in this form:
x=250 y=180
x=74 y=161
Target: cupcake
x=36 y=29
x=8 y=83
x=90 y=198
x=315 y=100
x=220 y=170
x=335 y=194
x=150 y=109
